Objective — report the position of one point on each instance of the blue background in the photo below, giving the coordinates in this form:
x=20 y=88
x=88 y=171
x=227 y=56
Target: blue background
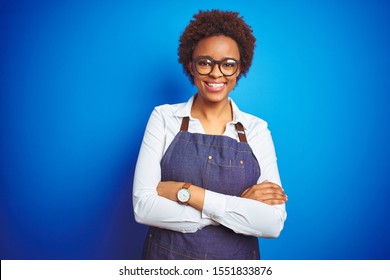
x=78 y=80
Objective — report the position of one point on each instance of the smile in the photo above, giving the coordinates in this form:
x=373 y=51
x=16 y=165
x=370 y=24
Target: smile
x=215 y=86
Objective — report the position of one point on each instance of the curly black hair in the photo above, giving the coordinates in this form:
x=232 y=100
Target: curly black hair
x=213 y=23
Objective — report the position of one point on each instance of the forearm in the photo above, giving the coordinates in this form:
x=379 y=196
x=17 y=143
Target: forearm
x=197 y=197
x=157 y=211
x=155 y=204
x=242 y=215
x=245 y=216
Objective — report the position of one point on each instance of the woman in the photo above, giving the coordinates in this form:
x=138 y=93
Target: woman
x=206 y=180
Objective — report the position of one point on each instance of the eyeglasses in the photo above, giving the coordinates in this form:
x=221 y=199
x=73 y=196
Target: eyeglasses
x=204 y=65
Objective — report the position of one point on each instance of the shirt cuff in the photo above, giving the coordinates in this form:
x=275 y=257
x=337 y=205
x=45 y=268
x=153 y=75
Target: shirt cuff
x=214 y=205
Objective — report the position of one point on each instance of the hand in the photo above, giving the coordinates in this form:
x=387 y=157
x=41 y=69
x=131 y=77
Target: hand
x=266 y=192
x=169 y=189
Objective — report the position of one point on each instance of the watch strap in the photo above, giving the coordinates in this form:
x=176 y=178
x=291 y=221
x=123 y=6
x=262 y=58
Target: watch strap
x=186 y=186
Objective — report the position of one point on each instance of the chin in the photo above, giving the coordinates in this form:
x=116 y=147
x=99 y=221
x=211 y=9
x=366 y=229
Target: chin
x=215 y=96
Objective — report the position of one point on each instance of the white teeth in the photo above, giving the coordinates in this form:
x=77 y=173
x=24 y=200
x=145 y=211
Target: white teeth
x=215 y=85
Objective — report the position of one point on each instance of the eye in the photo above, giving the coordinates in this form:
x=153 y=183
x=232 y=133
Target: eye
x=229 y=63
x=204 y=62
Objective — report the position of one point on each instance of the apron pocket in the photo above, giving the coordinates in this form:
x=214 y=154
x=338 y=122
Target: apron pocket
x=226 y=178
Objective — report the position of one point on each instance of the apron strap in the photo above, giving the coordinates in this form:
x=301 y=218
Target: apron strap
x=241 y=132
x=184 y=124
x=239 y=128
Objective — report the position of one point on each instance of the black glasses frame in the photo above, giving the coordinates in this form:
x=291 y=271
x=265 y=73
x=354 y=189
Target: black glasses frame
x=218 y=62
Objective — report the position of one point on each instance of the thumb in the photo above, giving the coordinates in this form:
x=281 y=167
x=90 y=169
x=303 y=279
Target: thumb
x=244 y=192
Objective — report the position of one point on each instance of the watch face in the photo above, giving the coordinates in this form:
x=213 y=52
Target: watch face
x=183 y=195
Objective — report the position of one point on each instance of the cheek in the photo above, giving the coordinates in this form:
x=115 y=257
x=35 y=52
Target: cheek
x=233 y=81
x=197 y=81
x=197 y=77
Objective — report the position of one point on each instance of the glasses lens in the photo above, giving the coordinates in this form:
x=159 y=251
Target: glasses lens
x=228 y=67
x=204 y=66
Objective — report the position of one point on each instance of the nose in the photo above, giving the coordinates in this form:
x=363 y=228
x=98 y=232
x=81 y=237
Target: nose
x=216 y=72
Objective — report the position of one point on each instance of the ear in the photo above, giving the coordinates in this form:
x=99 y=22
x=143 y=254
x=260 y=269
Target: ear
x=190 y=68
x=238 y=71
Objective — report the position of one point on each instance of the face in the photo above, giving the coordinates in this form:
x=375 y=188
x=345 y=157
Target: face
x=215 y=87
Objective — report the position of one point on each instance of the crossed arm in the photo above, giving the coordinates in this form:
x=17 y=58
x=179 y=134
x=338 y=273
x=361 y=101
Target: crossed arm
x=265 y=192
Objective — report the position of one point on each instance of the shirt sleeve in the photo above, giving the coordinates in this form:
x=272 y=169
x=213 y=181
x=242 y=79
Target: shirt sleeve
x=248 y=216
x=149 y=207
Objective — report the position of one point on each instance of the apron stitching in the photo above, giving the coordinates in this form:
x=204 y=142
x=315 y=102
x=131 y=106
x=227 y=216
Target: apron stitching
x=228 y=166
x=219 y=146
x=174 y=252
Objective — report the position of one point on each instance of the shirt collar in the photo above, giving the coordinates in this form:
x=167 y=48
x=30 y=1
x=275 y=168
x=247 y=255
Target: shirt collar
x=238 y=115
x=184 y=110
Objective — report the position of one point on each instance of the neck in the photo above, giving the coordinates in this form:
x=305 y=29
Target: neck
x=212 y=111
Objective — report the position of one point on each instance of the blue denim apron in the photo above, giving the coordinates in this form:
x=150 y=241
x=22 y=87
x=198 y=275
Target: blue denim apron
x=217 y=163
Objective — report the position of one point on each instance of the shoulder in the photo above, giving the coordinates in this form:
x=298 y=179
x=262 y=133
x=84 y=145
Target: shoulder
x=169 y=110
x=253 y=123
x=253 y=120
x=167 y=116
x=250 y=122
x=256 y=129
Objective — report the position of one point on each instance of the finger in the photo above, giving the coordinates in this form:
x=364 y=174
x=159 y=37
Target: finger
x=259 y=193
x=268 y=197
x=272 y=185
x=273 y=196
x=271 y=191
x=274 y=202
x=266 y=189
x=284 y=200
x=247 y=194
x=268 y=185
x=254 y=188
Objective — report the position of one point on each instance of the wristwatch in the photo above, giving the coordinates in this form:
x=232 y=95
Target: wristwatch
x=184 y=195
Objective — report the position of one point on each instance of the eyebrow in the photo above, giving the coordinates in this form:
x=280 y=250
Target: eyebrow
x=211 y=58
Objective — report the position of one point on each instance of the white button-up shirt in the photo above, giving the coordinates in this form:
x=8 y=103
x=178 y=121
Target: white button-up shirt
x=245 y=216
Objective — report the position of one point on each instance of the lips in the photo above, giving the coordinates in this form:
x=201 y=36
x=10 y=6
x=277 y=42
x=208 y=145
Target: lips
x=215 y=86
